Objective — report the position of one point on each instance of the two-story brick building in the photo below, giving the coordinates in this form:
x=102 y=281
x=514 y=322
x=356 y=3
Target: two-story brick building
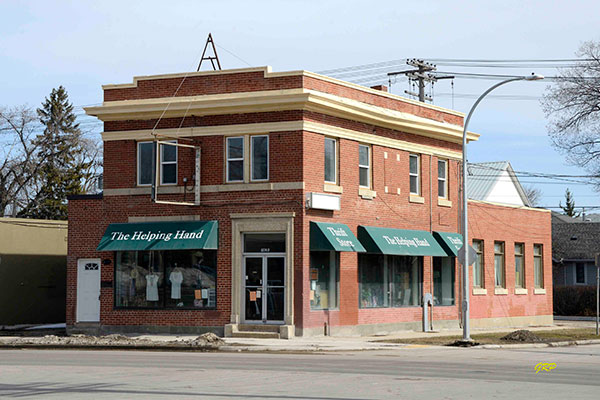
x=314 y=206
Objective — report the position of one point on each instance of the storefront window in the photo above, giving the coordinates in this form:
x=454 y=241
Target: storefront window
x=324 y=279
x=389 y=280
x=443 y=281
x=166 y=279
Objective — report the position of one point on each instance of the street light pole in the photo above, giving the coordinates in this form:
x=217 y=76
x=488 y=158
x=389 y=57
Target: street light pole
x=465 y=271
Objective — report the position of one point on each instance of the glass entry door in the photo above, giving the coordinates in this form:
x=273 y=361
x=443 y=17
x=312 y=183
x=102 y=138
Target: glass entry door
x=264 y=288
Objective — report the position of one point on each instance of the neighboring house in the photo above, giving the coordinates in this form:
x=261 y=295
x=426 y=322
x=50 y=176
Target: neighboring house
x=313 y=206
x=33 y=268
x=574 y=245
x=495 y=182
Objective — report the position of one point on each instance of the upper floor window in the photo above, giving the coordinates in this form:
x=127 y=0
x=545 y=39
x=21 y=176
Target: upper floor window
x=519 y=266
x=538 y=266
x=478 y=266
x=330 y=161
x=443 y=179
x=414 y=174
x=499 y=264
x=364 y=165
x=235 y=159
x=259 y=162
x=145 y=161
x=168 y=164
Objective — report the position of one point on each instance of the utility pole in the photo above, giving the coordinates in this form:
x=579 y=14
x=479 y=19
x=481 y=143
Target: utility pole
x=422 y=75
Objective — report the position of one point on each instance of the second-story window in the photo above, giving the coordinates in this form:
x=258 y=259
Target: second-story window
x=145 y=161
x=415 y=179
x=235 y=159
x=259 y=146
x=330 y=161
x=168 y=164
x=443 y=179
x=364 y=166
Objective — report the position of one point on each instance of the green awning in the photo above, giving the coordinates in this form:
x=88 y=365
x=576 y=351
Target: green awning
x=399 y=242
x=451 y=242
x=327 y=236
x=180 y=235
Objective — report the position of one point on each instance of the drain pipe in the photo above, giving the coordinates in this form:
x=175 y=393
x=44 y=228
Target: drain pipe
x=431 y=231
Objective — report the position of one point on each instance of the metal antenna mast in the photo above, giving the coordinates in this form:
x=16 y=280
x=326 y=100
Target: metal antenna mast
x=211 y=58
x=422 y=75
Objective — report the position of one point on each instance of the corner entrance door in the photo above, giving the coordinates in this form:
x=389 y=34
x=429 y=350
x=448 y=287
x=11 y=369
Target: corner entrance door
x=88 y=290
x=264 y=289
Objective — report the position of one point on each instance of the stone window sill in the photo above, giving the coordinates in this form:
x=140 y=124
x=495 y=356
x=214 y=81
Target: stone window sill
x=520 y=290
x=331 y=188
x=479 y=292
x=416 y=199
x=500 y=291
x=444 y=202
x=539 y=291
x=367 y=193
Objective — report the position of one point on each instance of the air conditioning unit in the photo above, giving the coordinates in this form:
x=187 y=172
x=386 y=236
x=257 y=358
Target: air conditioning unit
x=322 y=201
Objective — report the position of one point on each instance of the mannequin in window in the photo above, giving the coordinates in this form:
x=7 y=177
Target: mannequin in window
x=176 y=278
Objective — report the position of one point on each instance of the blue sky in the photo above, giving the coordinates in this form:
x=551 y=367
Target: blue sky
x=83 y=44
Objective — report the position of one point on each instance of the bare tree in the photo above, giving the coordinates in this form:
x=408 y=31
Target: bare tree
x=18 y=166
x=572 y=106
x=533 y=194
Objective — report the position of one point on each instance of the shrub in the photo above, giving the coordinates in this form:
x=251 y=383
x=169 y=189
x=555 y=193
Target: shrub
x=575 y=300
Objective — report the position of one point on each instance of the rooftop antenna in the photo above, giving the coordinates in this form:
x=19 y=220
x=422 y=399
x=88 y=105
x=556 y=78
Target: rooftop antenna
x=212 y=59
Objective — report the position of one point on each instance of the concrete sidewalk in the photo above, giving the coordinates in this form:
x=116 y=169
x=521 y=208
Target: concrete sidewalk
x=299 y=344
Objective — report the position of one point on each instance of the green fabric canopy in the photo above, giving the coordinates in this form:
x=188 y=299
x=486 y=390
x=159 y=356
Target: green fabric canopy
x=180 y=235
x=328 y=236
x=451 y=242
x=399 y=242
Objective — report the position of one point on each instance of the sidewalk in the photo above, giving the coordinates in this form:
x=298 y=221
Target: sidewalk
x=299 y=344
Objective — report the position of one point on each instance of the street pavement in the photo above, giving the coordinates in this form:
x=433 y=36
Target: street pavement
x=407 y=372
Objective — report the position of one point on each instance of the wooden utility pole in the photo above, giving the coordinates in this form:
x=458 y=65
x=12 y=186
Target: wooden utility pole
x=422 y=75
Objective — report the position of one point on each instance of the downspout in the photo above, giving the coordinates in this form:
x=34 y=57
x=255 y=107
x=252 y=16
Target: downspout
x=431 y=231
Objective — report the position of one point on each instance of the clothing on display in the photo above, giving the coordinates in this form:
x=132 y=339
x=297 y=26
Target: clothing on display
x=176 y=278
x=152 y=287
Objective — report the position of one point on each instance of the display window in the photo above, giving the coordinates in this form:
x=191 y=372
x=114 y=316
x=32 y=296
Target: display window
x=174 y=279
x=389 y=281
x=443 y=281
x=324 y=279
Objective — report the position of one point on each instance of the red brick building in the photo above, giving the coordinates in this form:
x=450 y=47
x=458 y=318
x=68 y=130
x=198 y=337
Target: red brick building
x=313 y=206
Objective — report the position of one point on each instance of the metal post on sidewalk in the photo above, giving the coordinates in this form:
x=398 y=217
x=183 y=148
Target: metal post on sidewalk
x=597 y=294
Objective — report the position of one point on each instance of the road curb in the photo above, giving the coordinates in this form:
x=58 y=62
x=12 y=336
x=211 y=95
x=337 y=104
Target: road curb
x=539 y=345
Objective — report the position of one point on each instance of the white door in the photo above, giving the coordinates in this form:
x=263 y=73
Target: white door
x=88 y=290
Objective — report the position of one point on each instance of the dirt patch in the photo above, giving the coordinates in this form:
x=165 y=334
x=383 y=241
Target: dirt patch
x=208 y=341
x=522 y=336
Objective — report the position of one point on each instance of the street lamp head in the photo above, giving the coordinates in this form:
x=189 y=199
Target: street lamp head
x=534 y=77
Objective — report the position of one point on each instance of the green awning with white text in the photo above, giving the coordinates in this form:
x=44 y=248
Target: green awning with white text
x=327 y=236
x=451 y=242
x=399 y=242
x=176 y=235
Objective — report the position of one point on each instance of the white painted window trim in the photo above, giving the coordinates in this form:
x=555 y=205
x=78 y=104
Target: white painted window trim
x=444 y=179
x=252 y=158
x=417 y=174
x=367 y=166
x=162 y=163
x=227 y=159
x=335 y=160
x=138 y=162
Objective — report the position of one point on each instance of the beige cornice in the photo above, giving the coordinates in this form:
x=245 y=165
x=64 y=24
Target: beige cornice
x=268 y=73
x=278 y=100
x=288 y=126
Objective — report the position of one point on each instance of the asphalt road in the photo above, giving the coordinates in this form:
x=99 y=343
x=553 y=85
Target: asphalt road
x=423 y=373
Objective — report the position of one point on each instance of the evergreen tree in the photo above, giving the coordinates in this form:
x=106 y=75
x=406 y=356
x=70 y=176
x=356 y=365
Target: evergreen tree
x=62 y=169
x=569 y=207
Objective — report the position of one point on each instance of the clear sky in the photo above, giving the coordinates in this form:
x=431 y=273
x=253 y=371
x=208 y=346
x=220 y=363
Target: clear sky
x=83 y=44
